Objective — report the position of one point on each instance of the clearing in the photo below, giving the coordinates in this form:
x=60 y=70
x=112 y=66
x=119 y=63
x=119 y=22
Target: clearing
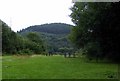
x=55 y=67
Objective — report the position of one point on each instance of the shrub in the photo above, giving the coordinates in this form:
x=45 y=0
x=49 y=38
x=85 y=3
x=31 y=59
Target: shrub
x=26 y=51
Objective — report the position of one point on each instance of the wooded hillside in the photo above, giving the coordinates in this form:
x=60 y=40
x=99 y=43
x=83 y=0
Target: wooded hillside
x=53 y=28
x=55 y=35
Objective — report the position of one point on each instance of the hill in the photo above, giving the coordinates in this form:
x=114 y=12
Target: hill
x=53 y=28
x=55 y=35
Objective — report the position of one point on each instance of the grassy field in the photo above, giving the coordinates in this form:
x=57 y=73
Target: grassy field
x=0 y=67
x=55 y=67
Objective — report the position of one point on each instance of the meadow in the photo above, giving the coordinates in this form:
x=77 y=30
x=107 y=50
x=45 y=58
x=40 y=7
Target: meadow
x=55 y=67
x=0 y=67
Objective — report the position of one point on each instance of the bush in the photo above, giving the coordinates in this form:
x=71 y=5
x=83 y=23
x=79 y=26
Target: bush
x=93 y=51
x=25 y=51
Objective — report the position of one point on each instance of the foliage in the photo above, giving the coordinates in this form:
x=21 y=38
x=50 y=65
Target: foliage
x=25 y=52
x=0 y=37
x=35 y=43
x=34 y=37
x=53 y=28
x=93 y=51
x=54 y=35
x=14 y=43
x=8 y=39
x=66 y=50
x=97 y=22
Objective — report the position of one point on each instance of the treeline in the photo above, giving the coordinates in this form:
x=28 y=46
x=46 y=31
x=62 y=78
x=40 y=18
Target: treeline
x=97 y=29
x=41 y=39
x=55 y=36
x=13 y=43
x=53 y=28
x=0 y=37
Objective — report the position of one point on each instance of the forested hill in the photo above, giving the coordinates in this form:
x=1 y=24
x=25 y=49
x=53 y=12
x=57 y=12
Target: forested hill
x=55 y=35
x=53 y=28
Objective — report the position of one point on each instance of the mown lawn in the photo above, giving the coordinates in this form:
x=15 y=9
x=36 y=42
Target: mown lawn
x=0 y=67
x=55 y=67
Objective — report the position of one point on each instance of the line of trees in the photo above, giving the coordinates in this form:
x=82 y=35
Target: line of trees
x=97 y=29
x=0 y=37
x=13 y=43
x=54 y=34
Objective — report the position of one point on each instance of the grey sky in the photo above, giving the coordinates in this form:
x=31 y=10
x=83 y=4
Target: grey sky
x=20 y=14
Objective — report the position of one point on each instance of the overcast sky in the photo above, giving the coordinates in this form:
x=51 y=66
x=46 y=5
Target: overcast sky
x=20 y=14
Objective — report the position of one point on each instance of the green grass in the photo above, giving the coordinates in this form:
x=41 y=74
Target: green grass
x=55 y=67
x=0 y=67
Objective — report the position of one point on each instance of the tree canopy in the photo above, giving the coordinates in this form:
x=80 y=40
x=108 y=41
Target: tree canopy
x=54 y=35
x=13 y=43
x=97 y=25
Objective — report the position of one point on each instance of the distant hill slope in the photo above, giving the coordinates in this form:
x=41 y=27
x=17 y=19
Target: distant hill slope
x=53 y=28
x=54 y=34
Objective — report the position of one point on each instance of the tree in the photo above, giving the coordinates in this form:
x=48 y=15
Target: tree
x=97 y=22
x=9 y=39
x=35 y=43
x=0 y=37
x=34 y=37
x=13 y=43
